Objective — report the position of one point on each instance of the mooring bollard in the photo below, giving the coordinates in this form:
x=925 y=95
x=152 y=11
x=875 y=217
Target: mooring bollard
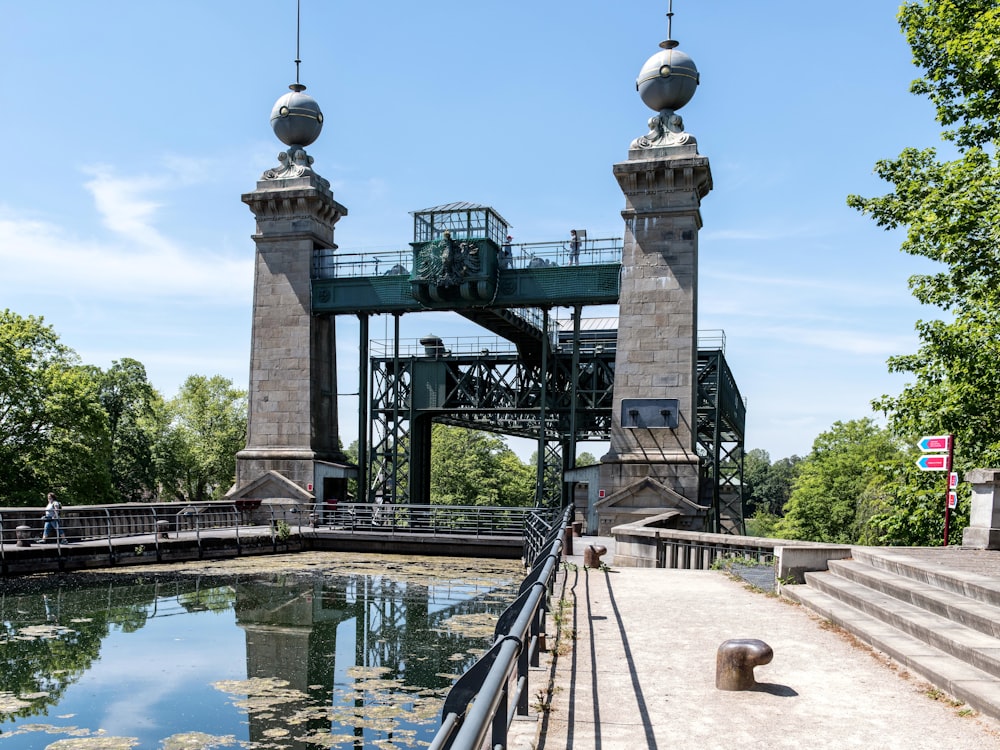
x=23 y=536
x=735 y=661
x=592 y=555
x=163 y=529
x=567 y=541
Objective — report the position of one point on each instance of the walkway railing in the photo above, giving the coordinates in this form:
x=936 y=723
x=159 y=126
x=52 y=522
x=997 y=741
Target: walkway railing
x=433 y=520
x=126 y=527
x=334 y=264
x=479 y=702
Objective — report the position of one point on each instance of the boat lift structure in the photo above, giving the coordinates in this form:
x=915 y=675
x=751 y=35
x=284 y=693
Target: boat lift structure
x=532 y=376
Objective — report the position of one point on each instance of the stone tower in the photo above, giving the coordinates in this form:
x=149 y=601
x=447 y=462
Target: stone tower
x=652 y=466
x=292 y=446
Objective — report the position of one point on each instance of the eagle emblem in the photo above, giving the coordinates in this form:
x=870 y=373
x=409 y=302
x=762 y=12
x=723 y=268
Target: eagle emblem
x=447 y=262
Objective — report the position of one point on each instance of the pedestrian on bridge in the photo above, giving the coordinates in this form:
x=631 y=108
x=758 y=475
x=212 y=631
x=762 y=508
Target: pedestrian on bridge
x=51 y=529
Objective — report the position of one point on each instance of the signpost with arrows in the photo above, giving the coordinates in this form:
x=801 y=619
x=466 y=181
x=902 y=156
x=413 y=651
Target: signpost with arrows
x=935 y=460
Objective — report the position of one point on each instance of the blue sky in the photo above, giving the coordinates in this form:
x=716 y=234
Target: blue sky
x=132 y=129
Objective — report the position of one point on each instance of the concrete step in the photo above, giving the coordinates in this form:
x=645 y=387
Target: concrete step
x=965 y=682
x=974 y=585
x=971 y=613
x=971 y=646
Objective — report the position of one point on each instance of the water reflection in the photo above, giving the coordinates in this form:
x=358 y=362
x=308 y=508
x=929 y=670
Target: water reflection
x=318 y=655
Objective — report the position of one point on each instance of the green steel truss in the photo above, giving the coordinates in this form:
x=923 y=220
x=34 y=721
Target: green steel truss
x=553 y=387
x=566 y=402
x=721 y=421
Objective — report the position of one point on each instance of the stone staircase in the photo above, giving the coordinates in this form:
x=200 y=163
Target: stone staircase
x=941 y=621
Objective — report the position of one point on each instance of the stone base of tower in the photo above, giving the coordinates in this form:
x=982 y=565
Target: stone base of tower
x=635 y=488
x=299 y=475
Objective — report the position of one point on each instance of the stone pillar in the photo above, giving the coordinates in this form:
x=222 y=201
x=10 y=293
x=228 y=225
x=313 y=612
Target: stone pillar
x=293 y=385
x=657 y=355
x=983 y=531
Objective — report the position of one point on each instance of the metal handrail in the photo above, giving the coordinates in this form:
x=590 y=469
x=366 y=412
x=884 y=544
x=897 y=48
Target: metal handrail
x=333 y=264
x=430 y=520
x=479 y=701
x=111 y=523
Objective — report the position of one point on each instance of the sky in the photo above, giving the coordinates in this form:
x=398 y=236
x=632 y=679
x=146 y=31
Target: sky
x=133 y=128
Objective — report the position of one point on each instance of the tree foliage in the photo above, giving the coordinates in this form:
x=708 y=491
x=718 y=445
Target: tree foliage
x=845 y=466
x=470 y=467
x=957 y=44
x=950 y=210
x=98 y=436
x=53 y=432
x=134 y=410
x=196 y=452
x=767 y=486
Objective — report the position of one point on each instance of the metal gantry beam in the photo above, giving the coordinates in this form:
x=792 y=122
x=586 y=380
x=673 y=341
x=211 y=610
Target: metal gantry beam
x=567 y=402
x=548 y=384
x=721 y=420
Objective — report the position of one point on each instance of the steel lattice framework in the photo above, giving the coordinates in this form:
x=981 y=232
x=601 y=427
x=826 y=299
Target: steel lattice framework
x=554 y=386
x=500 y=393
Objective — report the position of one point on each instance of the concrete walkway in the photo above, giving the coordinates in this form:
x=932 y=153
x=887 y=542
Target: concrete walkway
x=634 y=667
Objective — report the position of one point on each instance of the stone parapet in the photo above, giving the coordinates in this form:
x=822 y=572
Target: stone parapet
x=983 y=531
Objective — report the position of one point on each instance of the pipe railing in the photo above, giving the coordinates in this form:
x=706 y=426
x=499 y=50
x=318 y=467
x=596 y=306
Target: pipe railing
x=339 y=264
x=142 y=525
x=479 y=702
x=433 y=520
x=148 y=526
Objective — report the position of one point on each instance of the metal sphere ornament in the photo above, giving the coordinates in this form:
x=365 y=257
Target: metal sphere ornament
x=296 y=118
x=668 y=79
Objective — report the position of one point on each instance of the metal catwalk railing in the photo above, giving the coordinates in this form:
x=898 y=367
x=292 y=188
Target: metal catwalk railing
x=479 y=702
x=150 y=527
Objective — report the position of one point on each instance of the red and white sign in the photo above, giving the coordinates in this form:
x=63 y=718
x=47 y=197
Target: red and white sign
x=930 y=443
x=934 y=462
x=953 y=480
x=600 y=493
x=952 y=499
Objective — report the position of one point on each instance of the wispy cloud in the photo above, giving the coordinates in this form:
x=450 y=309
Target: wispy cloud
x=134 y=259
x=850 y=341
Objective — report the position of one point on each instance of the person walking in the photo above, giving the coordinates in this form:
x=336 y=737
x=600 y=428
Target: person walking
x=52 y=529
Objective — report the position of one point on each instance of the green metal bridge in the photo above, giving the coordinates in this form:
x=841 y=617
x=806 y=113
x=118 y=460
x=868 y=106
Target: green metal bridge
x=537 y=378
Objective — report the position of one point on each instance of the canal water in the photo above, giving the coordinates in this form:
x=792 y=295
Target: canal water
x=314 y=650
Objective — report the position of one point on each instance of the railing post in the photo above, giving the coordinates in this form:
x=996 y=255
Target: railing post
x=236 y=518
x=111 y=547
x=156 y=535
x=3 y=541
x=499 y=733
x=522 y=674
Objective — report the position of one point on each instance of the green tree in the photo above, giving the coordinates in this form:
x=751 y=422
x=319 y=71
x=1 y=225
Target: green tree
x=53 y=432
x=957 y=46
x=767 y=486
x=196 y=451
x=838 y=481
x=134 y=409
x=470 y=467
x=950 y=210
x=585 y=459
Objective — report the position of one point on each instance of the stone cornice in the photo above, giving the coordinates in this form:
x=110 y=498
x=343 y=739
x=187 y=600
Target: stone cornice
x=649 y=176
